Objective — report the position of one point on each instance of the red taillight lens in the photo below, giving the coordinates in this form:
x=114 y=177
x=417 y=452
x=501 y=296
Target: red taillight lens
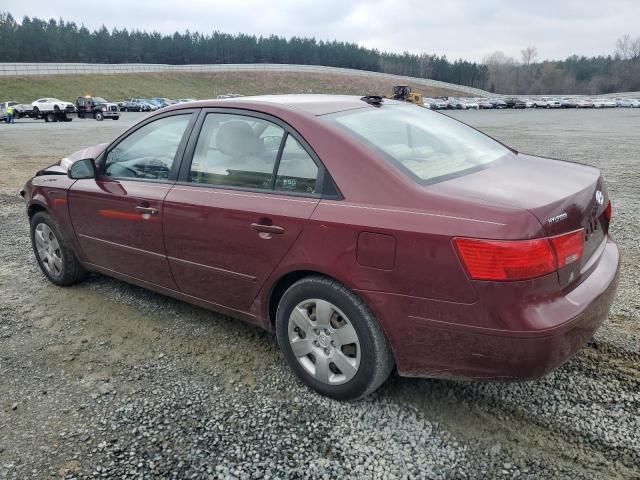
x=506 y=260
x=568 y=247
x=608 y=212
x=519 y=259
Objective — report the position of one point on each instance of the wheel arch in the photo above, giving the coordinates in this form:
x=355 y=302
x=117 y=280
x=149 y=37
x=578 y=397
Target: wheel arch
x=282 y=284
x=36 y=207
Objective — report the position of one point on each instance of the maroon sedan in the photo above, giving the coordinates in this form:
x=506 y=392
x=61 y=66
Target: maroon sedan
x=366 y=233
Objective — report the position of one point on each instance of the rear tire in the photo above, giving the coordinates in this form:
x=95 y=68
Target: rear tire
x=340 y=349
x=55 y=256
x=50 y=117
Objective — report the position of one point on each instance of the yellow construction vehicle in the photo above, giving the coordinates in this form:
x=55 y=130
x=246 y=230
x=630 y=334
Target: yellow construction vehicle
x=404 y=93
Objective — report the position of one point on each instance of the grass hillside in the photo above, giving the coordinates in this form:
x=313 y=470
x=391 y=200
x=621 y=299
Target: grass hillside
x=195 y=85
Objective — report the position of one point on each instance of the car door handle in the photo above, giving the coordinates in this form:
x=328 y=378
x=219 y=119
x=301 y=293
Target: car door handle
x=147 y=210
x=261 y=227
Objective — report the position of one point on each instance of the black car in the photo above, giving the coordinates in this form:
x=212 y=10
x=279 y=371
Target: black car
x=497 y=103
x=513 y=102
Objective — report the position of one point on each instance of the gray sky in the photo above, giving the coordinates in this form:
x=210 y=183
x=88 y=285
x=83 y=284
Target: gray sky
x=458 y=28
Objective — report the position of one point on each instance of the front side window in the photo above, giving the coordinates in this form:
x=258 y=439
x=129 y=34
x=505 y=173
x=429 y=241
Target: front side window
x=429 y=146
x=236 y=151
x=149 y=152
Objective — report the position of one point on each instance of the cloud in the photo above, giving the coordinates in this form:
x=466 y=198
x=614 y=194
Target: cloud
x=456 y=28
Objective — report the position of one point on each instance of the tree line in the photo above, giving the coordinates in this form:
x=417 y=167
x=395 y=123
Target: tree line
x=619 y=72
x=36 y=40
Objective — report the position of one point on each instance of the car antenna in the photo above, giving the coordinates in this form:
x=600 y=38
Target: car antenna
x=375 y=100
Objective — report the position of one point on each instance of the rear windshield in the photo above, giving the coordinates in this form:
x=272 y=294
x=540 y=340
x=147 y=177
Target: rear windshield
x=429 y=146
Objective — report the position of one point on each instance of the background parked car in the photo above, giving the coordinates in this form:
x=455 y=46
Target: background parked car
x=162 y=102
x=515 y=102
x=584 y=103
x=5 y=105
x=438 y=104
x=569 y=103
x=552 y=102
x=627 y=103
x=138 y=105
x=498 y=103
x=539 y=103
x=456 y=104
x=484 y=104
x=471 y=104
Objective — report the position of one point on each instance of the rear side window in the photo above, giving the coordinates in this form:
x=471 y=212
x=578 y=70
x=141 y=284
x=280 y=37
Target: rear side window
x=429 y=146
x=297 y=171
x=236 y=151
x=244 y=152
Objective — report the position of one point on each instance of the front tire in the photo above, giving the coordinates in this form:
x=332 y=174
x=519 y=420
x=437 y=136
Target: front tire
x=331 y=340
x=54 y=254
x=98 y=116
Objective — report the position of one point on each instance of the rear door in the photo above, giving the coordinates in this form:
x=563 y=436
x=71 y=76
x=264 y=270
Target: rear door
x=117 y=216
x=240 y=204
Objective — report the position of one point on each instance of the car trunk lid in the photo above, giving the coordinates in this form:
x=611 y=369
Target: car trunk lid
x=563 y=196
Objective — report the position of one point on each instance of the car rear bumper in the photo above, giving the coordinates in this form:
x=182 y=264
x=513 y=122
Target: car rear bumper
x=430 y=346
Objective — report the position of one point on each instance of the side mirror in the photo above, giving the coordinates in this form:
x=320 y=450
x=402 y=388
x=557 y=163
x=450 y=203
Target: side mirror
x=82 y=169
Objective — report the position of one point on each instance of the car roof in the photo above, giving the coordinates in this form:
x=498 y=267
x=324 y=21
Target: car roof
x=315 y=104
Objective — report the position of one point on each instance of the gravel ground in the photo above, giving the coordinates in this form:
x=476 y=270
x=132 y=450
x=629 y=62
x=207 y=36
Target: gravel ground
x=108 y=380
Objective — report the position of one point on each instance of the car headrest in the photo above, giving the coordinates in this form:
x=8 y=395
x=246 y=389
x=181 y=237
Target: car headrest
x=237 y=138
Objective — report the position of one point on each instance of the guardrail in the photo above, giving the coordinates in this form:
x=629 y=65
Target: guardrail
x=28 y=69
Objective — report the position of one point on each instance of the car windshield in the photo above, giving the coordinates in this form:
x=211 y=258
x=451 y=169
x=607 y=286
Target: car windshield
x=429 y=146
x=99 y=100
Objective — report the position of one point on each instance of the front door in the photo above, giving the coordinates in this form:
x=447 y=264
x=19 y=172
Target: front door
x=238 y=209
x=117 y=216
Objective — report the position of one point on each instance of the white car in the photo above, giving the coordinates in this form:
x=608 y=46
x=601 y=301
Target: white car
x=552 y=102
x=604 y=103
x=627 y=103
x=438 y=104
x=52 y=105
x=538 y=103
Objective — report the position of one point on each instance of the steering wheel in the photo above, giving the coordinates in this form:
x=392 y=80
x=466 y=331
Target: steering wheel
x=124 y=167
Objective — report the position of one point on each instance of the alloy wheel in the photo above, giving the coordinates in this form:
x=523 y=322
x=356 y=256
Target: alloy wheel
x=324 y=341
x=48 y=248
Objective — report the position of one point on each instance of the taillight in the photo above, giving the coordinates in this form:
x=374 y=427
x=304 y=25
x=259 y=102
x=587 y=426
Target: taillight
x=568 y=247
x=519 y=259
x=608 y=212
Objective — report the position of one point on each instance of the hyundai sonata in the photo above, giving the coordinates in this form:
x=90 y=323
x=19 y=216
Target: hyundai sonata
x=366 y=233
